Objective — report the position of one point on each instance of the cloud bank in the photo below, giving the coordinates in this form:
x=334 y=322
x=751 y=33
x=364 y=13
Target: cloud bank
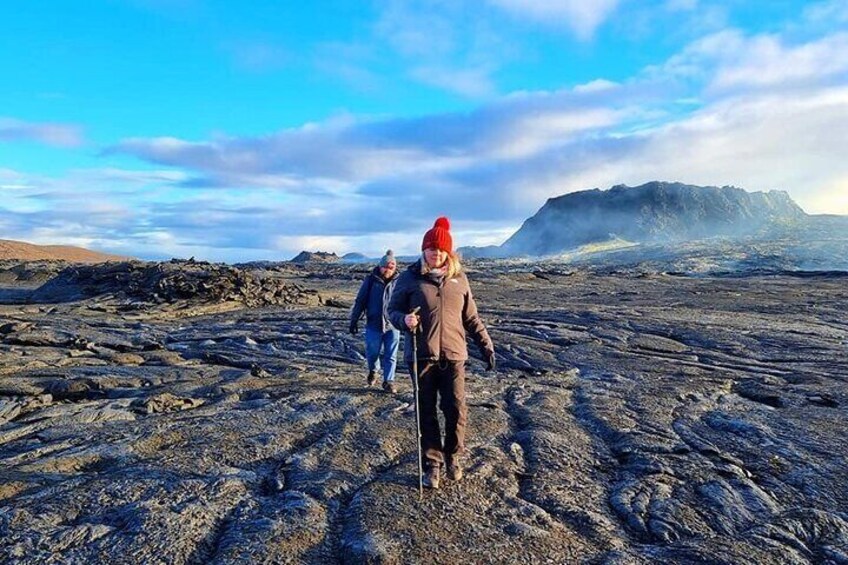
x=760 y=111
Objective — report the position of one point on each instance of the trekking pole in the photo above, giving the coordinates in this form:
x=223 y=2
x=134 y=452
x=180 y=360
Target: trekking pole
x=417 y=413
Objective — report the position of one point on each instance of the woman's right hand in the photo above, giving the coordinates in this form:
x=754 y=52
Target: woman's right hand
x=411 y=321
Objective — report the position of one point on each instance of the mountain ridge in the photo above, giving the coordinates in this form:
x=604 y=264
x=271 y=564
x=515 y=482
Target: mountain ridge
x=656 y=211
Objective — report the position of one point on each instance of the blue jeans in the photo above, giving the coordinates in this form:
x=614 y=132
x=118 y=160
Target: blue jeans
x=375 y=340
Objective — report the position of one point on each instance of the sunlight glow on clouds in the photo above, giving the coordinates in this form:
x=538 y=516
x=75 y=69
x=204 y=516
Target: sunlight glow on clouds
x=833 y=197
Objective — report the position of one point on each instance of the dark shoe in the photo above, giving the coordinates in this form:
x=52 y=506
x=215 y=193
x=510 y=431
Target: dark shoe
x=389 y=387
x=431 y=477
x=455 y=469
x=372 y=378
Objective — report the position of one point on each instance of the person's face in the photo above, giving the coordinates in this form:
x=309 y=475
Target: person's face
x=435 y=257
x=388 y=270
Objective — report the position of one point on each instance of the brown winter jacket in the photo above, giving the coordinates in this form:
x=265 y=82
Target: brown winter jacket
x=447 y=312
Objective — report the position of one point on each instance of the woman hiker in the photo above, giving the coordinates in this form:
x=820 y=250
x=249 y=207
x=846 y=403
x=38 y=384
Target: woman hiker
x=437 y=285
x=380 y=336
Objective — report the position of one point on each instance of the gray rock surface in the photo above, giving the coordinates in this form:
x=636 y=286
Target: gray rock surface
x=655 y=211
x=634 y=418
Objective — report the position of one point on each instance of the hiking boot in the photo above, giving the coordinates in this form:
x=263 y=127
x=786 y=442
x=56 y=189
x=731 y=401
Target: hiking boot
x=389 y=387
x=454 y=469
x=372 y=378
x=431 y=477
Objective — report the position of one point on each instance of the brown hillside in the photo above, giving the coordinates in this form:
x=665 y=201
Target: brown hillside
x=22 y=251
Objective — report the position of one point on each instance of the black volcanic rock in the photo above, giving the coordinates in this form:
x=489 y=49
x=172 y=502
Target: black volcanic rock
x=29 y=273
x=653 y=212
x=633 y=418
x=173 y=281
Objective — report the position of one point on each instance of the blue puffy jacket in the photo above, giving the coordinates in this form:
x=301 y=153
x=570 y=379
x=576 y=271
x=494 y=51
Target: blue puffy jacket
x=370 y=299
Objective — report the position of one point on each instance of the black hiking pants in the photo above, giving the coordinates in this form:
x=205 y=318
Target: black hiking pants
x=445 y=380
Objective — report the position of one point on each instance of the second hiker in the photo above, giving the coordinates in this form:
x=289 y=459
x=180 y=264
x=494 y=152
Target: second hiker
x=381 y=338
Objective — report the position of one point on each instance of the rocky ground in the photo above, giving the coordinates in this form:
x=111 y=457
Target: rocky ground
x=633 y=418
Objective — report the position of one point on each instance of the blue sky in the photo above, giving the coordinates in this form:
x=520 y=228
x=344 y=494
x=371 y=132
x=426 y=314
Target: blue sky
x=236 y=131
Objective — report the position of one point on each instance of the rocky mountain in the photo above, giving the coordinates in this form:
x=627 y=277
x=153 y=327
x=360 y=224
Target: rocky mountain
x=653 y=212
x=315 y=257
x=22 y=251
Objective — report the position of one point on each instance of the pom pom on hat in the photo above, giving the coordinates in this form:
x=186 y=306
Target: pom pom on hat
x=438 y=237
x=388 y=258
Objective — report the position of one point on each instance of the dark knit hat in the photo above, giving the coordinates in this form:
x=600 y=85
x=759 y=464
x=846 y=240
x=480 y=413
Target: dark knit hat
x=438 y=237
x=389 y=257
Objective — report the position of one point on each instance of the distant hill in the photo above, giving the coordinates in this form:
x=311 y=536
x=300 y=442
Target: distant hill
x=315 y=257
x=651 y=213
x=22 y=251
x=355 y=258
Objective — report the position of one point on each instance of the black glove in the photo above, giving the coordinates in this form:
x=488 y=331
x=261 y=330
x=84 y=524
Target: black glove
x=490 y=362
x=354 y=327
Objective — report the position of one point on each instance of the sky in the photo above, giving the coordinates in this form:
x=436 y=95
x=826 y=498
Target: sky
x=236 y=131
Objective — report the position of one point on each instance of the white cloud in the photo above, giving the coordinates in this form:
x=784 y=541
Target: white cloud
x=830 y=12
x=129 y=176
x=61 y=236
x=472 y=83
x=597 y=85
x=450 y=45
x=296 y=244
x=582 y=17
x=765 y=61
x=61 y=135
x=730 y=61
x=351 y=63
x=348 y=153
x=419 y=28
x=98 y=208
x=12 y=180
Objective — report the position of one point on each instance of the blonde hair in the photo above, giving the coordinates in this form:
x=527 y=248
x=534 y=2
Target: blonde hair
x=453 y=266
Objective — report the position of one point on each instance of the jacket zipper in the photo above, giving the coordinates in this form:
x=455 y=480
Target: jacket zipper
x=442 y=320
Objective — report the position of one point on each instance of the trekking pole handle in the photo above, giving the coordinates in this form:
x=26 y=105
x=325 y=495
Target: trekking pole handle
x=414 y=312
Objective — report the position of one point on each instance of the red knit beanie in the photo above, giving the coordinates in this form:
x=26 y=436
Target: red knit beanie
x=438 y=237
